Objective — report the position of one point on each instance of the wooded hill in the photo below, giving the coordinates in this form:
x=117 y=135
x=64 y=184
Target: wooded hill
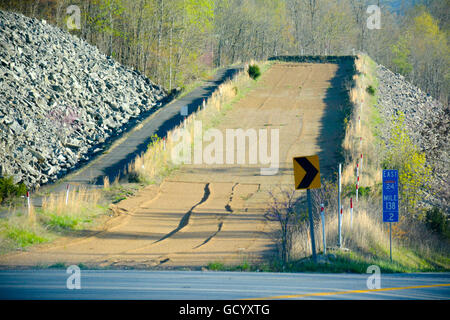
x=175 y=41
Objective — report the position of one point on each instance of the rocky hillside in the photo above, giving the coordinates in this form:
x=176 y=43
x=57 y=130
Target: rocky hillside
x=60 y=99
x=427 y=121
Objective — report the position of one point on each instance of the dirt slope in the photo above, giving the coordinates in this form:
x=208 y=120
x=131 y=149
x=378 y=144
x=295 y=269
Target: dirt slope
x=207 y=213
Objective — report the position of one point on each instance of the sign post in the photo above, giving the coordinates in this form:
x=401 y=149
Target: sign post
x=340 y=223
x=322 y=214
x=351 y=212
x=339 y=206
x=307 y=176
x=357 y=191
x=390 y=201
x=28 y=203
x=361 y=161
x=67 y=194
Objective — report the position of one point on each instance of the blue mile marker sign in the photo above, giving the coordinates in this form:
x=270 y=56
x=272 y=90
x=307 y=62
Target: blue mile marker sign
x=390 y=195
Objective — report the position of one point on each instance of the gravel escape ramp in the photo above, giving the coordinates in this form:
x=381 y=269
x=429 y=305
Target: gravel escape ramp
x=215 y=213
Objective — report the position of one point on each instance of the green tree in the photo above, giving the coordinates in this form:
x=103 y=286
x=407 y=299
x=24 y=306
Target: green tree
x=403 y=155
x=423 y=55
x=10 y=190
x=401 y=57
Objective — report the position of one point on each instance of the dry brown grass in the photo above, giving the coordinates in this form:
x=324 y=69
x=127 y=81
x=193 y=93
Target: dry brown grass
x=79 y=200
x=359 y=127
x=106 y=184
x=366 y=234
x=23 y=227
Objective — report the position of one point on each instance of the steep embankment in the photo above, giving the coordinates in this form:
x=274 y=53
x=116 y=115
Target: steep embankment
x=60 y=99
x=427 y=121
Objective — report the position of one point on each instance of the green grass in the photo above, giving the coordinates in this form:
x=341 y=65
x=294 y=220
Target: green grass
x=244 y=266
x=58 y=265
x=63 y=266
x=19 y=233
x=68 y=221
x=347 y=262
x=24 y=237
x=62 y=222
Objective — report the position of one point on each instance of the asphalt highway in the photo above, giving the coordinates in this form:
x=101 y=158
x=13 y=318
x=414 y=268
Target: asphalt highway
x=51 y=284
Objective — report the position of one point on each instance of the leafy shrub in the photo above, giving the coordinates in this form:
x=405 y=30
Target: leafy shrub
x=437 y=221
x=350 y=191
x=10 y=190
x=254 y=72
x=134 y=177
x=370 y=90
x=363 y=191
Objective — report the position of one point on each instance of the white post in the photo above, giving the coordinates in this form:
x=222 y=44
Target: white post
x=67 y=195
x=340 y=224
x=339 y=205
x=351 y=212
x=204 y=103
x=356 y=191
x=322 y=213
x=361 y=161
x=28 y=203
x=357 y=169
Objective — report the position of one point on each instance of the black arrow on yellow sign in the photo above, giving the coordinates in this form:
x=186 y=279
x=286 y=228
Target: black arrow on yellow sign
x=307 y=176
x=307 y=172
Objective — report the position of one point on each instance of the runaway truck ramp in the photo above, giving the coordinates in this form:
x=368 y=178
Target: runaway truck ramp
x=205 y=213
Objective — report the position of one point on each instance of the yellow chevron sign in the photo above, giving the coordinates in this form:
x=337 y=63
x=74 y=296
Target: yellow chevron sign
x=307 y=172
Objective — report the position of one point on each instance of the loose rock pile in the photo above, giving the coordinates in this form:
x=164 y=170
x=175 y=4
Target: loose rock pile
x=427 y=121
x=60 y=99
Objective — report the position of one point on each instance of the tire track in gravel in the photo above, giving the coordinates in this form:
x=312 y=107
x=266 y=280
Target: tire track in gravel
x=220 y=225
x=185 y=220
